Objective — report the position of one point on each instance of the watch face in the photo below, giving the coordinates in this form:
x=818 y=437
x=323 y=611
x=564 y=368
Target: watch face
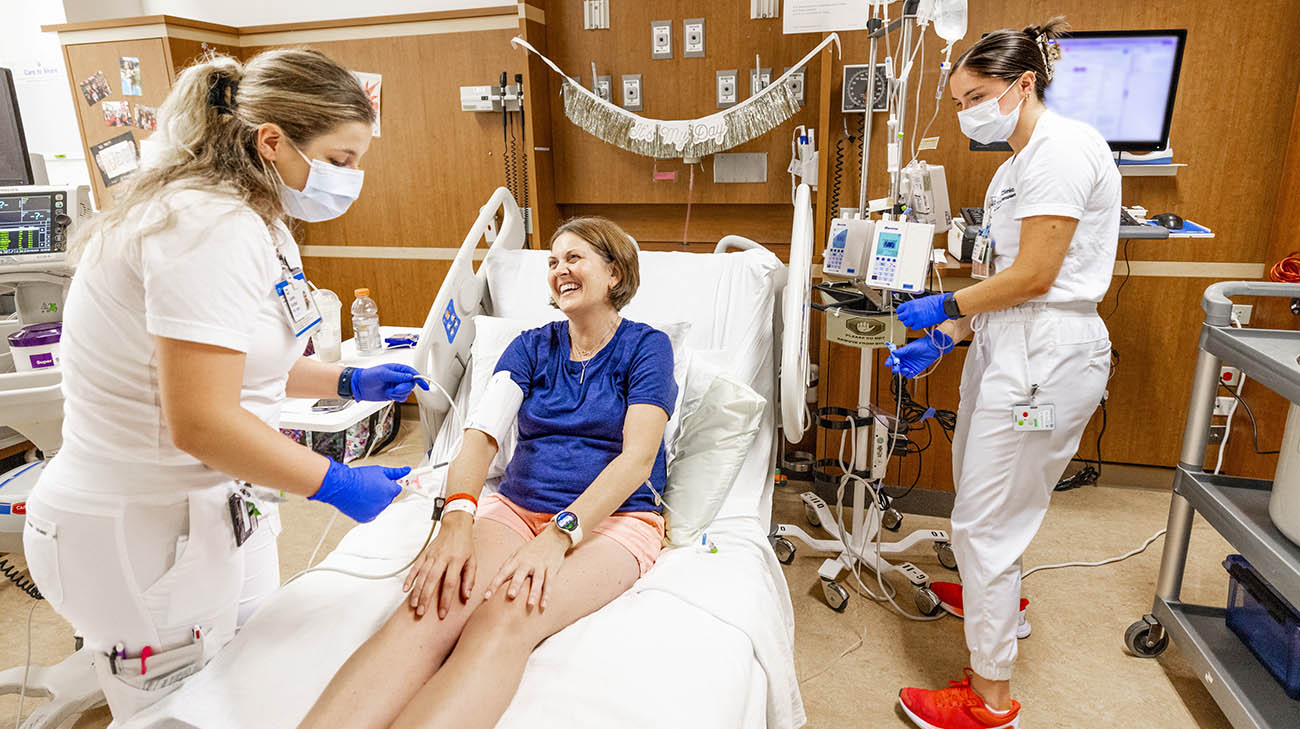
x=566 y=520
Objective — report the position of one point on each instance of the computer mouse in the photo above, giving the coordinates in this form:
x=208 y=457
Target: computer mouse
x=1169 y=220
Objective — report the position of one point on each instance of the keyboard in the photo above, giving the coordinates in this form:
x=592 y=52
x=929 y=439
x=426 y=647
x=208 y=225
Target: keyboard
x=973 y=216
x=1126 y=219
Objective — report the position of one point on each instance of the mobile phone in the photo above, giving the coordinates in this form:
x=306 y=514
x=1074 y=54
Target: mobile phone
x=330 y=405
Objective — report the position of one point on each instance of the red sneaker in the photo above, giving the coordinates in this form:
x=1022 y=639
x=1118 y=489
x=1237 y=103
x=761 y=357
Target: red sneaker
x=950 y=600
x=956 y=707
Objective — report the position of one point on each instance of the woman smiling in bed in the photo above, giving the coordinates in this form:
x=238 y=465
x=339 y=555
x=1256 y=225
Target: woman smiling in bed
x=573 y=526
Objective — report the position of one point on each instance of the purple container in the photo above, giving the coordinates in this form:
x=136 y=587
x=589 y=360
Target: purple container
x=37 y=335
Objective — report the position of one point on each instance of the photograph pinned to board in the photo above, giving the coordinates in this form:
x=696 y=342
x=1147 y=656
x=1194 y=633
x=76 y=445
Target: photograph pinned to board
x=117 y=113
x=95 y=88
x=146 y=117
x=372 y=83
x=130 y=76
x=115 y=158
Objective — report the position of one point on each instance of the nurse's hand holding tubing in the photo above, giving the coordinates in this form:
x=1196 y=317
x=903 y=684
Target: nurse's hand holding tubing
x=361 y=492
x=916 y=357
x=386 y=382
x=924 y=312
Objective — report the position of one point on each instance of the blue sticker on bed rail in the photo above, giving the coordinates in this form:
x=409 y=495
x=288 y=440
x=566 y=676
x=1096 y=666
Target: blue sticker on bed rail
x=450 y=321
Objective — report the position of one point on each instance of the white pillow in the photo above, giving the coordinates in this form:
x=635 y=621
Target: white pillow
x=492 y=334
x=711 y=446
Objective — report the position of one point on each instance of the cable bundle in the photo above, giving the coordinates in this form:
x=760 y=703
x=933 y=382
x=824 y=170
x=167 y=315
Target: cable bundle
x=1287 y=270
x=16 y=576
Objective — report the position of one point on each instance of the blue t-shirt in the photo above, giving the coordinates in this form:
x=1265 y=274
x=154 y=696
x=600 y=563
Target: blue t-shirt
x=569 y=431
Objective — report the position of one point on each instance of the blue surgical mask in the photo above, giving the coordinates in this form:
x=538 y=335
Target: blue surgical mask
x=329 y=192
x=985 y=122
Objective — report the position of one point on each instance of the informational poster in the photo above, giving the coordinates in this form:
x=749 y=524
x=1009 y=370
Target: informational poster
x=117 y=113
x=820 y=16
x=115 y=158
x=865 y=332
x=373 y=84
x=146 y=117
x=95 y=89
x=130 y=76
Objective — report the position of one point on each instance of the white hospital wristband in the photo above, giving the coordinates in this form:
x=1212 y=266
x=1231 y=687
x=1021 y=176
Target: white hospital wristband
x=464 y=505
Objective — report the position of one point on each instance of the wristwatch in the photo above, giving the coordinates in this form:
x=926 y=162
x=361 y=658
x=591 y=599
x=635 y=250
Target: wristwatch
x=950 y=307
x=567 y=521
x=345 y=383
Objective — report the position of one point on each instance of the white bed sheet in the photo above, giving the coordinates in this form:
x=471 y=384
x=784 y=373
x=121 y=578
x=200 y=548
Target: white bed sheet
x=711 y=645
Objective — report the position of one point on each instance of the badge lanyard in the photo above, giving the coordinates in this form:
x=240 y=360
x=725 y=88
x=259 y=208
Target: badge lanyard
x=295 y=296
x=1032 y=415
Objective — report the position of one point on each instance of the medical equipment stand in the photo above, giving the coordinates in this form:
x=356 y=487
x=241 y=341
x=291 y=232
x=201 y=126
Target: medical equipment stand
x=32 y=403
x=1238 y=509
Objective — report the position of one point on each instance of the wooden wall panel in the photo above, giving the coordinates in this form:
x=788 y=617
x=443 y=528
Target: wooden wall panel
x=766 y=224
x=587 y=170
x=185 y=52
x=403 y=289
x=435 y=165
x=155 y=79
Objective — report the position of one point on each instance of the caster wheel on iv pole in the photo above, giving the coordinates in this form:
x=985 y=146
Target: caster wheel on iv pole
x=947 y=557
x=810 y=514
x=784 y=549
x=836 y=596
x=926 y=601
x=891 y=519
x=1138 y=638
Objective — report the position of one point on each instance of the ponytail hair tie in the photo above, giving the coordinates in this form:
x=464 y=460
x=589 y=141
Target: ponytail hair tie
x=222 y=94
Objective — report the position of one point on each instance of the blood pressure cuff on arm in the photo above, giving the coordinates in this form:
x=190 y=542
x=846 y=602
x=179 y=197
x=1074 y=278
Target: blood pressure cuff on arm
x=498 y=408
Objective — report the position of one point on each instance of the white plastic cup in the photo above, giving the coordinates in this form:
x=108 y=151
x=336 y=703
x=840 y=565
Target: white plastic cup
x=328 y=338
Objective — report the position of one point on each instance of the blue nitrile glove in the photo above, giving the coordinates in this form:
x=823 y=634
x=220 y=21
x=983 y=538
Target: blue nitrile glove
x=385 y=382
x=915 y=357
x=924 y=312
x=361 y=492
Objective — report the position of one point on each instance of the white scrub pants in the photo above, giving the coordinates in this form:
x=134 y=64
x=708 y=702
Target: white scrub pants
x=1004 y=477
x=146 y=571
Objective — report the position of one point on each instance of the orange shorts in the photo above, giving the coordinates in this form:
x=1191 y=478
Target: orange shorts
x=639 y=532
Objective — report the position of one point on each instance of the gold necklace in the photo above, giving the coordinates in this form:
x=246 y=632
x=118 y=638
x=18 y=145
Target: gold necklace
x=587 y=354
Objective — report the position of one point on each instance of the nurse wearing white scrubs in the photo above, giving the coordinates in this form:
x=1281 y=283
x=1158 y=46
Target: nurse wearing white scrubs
x=178 y=350
x=1038 y=348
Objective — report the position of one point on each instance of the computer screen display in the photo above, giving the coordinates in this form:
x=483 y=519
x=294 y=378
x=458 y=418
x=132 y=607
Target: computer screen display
x=1120 y=82
x=15 y=166
x=25 y=224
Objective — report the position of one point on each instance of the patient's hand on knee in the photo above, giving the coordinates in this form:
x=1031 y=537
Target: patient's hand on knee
x=445 y=569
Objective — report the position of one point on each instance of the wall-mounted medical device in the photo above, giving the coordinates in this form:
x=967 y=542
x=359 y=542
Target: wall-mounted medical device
x=847 y=246
x=925 y=190
x=489 y=98
x=35 y=222
x=900 y=255
x=853 y=89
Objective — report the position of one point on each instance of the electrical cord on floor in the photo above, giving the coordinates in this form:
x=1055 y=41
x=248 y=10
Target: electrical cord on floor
x=1100 y=563
x=1254 y=425
x=1088 y=475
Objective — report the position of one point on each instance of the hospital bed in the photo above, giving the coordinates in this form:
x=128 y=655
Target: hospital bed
x=704 y=639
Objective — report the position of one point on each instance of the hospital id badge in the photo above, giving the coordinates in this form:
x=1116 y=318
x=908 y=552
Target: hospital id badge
x=981 y=256
x=299 y=305
x=1027 y=418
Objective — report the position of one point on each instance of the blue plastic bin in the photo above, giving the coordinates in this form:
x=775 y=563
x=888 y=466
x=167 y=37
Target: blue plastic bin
x=1266 y=623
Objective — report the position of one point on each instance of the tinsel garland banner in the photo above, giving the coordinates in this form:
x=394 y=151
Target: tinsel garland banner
x=688 y=138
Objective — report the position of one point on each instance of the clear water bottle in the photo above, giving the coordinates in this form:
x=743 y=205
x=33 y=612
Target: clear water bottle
x=365 y=324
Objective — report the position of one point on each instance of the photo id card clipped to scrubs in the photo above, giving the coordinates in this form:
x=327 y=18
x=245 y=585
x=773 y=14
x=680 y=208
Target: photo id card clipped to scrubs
x=295 y=296
x=981 y=255
x=1033 y=416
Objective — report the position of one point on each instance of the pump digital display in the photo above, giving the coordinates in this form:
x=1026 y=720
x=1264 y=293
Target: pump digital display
x=888 y=245
x=26 y=223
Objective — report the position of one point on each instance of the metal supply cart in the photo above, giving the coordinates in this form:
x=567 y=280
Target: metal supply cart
x=1238 y=509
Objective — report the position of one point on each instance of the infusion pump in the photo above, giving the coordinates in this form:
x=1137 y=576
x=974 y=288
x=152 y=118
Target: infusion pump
x=35 y=223
x=884 y=254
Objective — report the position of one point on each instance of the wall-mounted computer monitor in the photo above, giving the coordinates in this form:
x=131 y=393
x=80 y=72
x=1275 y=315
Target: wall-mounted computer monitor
x=15 y=165
x=1121 y=82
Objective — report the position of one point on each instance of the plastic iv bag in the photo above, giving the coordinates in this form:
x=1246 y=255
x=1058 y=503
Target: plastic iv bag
x=950 y=20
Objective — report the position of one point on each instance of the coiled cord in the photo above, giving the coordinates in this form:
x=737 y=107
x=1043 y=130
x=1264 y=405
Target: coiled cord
x=19 y=578
x=1287 y=270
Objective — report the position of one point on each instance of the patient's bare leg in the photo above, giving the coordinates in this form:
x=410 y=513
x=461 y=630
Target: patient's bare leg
x=387 y=670
x=482 y=674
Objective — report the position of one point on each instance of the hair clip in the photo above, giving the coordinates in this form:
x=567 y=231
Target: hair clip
x=222 y=95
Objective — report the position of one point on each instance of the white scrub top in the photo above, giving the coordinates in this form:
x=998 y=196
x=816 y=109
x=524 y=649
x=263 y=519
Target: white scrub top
x=208 y=277
x=1067 y=169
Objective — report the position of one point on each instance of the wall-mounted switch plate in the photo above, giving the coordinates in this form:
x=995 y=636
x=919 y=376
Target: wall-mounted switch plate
x=759 y=79
x=661 y=39
x=726 y=86
x=632 y=91
x=604 y=85
x=693 y=38
x=595 y=14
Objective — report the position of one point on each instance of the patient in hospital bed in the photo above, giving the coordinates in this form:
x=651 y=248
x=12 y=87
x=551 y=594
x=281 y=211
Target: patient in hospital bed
x=575 y=521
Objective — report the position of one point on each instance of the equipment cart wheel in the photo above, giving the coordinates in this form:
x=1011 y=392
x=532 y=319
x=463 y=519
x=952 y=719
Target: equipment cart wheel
x=891 y=519
x=1138 y=638
x=810 y=514
x=836 y=596
x=784 y=549
x=926 y=601
x=947 y=557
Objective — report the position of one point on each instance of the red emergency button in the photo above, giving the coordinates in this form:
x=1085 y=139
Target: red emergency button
x=20 y=508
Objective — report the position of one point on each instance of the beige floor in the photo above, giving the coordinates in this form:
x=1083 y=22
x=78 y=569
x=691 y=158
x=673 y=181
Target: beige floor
x=1072 y=672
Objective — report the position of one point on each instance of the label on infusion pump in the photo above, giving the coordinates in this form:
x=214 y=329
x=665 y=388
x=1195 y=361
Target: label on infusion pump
x=865 y=332
x=1027 y=418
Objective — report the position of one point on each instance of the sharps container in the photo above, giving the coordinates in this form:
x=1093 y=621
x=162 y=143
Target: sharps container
x=1284 y=504
x=36 y=347
x=328 y=338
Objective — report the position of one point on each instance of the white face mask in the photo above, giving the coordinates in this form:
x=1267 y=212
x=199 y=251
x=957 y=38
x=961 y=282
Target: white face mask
x=329 y=192
x=985 y=123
